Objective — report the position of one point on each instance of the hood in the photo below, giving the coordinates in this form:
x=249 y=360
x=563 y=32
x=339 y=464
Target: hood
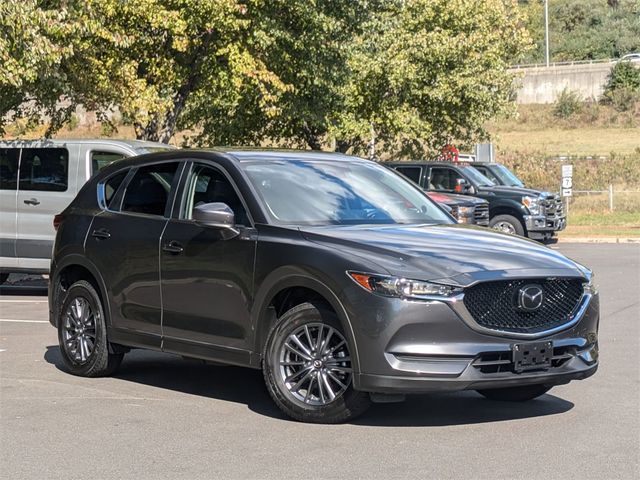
x=454 y=199
x=454 y=254
x=517 y=191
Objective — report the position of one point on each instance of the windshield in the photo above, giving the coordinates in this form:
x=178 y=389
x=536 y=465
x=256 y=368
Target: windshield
x=476 y=177
x=316 y=192
x=506 y=176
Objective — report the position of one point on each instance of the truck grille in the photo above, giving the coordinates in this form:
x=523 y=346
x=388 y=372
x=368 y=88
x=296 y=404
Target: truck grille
x=553 y=207
x=494 y=305
x=481 y=215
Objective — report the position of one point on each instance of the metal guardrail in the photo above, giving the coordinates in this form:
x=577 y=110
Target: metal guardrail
x=559 y=64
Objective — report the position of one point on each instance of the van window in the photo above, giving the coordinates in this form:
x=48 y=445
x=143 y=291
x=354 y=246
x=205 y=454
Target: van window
x=44 y=169
x=9 y=168
x=99 y=160
x=148 y=191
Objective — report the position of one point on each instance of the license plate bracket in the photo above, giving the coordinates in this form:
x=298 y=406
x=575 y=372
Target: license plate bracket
x=532 y=356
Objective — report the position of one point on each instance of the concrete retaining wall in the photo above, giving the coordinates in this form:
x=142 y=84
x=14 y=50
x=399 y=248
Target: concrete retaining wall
x=544 y=84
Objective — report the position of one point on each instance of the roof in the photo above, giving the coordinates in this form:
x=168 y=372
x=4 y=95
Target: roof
x=253 y=154
x=135 y=144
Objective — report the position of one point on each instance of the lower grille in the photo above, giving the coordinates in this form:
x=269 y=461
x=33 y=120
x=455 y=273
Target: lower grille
x=499 y=362
x=496 y=305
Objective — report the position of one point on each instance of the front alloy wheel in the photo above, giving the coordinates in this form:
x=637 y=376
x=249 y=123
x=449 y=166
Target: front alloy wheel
x=308 y=369
x=315 y=364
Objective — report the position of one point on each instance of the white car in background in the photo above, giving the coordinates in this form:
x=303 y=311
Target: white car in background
x=38 y=179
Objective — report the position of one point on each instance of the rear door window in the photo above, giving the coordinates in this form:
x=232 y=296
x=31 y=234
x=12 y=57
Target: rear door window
x=149 y=189
x=44 y=169
x=413 y=173
x=9 y=168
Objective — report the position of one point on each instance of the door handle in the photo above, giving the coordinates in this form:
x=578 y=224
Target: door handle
x=173 y=247
x=101 y=234
x=32 y=201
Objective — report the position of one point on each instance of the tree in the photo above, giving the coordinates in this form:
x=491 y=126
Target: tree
x=32 y=48
x=428 y=73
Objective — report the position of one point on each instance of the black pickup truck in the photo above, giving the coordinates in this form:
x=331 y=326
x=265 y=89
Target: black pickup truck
x=522 y=211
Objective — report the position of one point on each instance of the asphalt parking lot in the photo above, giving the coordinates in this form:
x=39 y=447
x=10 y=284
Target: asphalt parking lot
x=162 y=416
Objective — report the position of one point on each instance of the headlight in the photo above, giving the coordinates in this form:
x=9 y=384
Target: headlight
x=590 y=285
x=533 y=204
x=401 y=287
x=465 y=211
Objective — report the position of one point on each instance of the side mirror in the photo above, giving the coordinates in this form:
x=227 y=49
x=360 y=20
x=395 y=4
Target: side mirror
x=217 y=215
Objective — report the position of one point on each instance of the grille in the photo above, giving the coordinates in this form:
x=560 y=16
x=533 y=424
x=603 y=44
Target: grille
x=553 y=207
x=481 y=214
x=494 y=305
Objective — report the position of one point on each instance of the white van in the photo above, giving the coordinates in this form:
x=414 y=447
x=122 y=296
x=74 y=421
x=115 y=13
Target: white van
x=38 y=179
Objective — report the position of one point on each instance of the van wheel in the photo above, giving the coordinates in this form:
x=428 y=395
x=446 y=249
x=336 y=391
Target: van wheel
x=515 y=394
x=82 y=333
x=507 y=224
x=308 y=368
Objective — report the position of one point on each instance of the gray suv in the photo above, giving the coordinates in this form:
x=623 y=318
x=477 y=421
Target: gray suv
x=339 y=279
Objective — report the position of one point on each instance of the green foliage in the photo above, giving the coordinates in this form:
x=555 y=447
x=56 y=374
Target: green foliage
x=623 y=86
x=583 y=29
x=414 y=74
x=568 y=104
x=428 y=73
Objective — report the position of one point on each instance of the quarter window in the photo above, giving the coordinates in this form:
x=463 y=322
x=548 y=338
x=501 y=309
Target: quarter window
x=148 y=191
x=111 y=187
x=9 y=168
x=44 y=169
x=208 y=185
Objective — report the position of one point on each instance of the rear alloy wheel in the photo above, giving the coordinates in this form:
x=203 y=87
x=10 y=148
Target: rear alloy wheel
x=82 y=333
x=308 y=367
x=515 y=394
x=507 y=224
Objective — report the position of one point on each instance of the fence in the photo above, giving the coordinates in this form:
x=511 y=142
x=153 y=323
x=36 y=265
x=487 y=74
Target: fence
x=611 y=200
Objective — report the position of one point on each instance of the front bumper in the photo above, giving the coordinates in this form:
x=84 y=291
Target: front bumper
x=544 y=226
x=412 y=347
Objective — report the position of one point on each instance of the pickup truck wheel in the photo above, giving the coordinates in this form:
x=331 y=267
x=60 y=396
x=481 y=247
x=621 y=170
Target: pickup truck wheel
x=507 y=224
x=515 y=394
x=308 y=368
x=82 y=333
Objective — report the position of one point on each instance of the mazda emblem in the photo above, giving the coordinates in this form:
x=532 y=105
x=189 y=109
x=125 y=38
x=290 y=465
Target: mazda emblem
x=530 y=297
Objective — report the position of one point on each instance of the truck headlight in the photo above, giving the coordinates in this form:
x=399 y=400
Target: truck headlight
x=402 y=287
x=465 y=211
x=533 y=204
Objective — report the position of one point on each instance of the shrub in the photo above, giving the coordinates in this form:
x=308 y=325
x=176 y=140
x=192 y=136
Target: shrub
x=567 y=104
x=622 y=90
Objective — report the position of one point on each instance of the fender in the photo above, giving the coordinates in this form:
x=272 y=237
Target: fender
x=82 y=261
x=507 y=206
x=294 y=276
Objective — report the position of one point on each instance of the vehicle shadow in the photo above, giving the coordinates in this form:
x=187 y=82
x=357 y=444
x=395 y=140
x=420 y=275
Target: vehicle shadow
x=243 y=385
x=24 y=290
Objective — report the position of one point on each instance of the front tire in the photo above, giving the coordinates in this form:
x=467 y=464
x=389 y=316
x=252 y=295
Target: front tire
x=507 y=224
x=308 y=369
x=515 y=394
x=82 y=333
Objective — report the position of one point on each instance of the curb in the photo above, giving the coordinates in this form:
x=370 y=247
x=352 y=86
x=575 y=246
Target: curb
x=599 y=240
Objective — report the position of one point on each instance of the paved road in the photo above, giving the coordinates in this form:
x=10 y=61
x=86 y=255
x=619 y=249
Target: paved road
x=164 y=417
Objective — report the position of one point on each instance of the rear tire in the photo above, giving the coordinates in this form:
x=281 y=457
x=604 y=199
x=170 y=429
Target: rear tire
x=507 y=224
x=314 y=385
x=515 y=394
x=82 y=333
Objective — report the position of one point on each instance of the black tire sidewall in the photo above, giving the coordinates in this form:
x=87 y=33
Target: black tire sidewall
x=350 y=404
x=517 y=224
